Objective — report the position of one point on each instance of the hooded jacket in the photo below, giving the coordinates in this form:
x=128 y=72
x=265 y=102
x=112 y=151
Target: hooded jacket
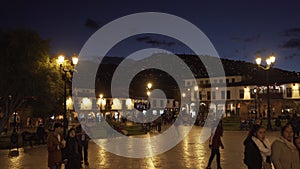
x=284 y=154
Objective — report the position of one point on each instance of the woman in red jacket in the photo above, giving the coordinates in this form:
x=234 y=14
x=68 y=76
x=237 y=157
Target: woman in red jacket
x=55 y=144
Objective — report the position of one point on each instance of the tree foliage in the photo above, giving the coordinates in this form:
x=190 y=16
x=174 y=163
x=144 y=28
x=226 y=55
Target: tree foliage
x=28 y=74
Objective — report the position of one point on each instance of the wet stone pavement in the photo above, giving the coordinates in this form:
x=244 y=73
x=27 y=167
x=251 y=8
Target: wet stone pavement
x=189 y=153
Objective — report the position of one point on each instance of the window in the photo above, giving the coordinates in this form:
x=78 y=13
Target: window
x=188 y=83
x=124 y=104
x=196 y=96
x=241 y=94
x=223 y=95
x=215 y=81
x=214 y=95
x=200 y=95
x=161 y=103
x=233 y=80
x=154 y=103
x=201 y=81
x=228 y=94
x=288 y=92
x=206 y=81
x=227 y=80
x=221 y=81
x=208 y=96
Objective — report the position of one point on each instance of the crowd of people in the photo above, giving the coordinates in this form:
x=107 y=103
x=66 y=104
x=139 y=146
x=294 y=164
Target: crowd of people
x=71 y=150
x=283 y=153
x=259 y=152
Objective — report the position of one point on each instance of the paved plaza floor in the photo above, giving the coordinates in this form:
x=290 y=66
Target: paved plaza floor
x=189 y=153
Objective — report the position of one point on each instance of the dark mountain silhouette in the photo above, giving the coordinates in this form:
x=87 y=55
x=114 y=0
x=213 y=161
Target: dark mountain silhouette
x=251 y=73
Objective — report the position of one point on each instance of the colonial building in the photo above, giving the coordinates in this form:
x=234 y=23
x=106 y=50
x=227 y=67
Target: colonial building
x=236 y=95
x=91 y=108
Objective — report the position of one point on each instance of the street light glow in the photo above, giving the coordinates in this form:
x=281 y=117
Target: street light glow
x=258 y=60
x=148 y=93
x=74 y=60
x=149 y=85
x=272 y=58
x=268 y=60
x=61 y=59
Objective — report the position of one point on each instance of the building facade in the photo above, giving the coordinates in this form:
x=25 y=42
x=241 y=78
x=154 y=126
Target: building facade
x=235 y=96
x=91 y=108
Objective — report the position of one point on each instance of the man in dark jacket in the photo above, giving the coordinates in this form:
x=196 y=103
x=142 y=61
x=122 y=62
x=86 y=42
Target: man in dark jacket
x=40 y=132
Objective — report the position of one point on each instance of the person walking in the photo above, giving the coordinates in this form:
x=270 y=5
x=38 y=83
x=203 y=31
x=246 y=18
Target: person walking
x=55 y=143
x=284 y=153
x=40 y=132
x=71 y=152
x=83 y=139
x=215 y=143
x=294 y=123
x=257 y=151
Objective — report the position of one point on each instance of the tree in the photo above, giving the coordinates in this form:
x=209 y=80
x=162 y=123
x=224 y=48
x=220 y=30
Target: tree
x=27 y=73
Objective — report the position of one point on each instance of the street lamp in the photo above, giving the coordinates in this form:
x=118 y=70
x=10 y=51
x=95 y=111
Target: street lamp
x=255 y=102
x=148 y=88
x=66 y=67
x=148 y=93
x=101 y=96
x=270 y=60
x=14 y=135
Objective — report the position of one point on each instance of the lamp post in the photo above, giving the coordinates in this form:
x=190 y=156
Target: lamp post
x=14 y=135
x=270 y=60
x=255 y=102
x=149 y=86
x=101 y=97
x=66 y=67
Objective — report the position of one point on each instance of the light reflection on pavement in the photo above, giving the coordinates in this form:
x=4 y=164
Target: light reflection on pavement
x=189 y=153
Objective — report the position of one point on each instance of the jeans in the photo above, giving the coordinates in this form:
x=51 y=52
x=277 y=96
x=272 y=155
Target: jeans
x=84 y=155
x=214 y=151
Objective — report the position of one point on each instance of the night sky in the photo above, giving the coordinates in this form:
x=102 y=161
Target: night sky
x=239 y=30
